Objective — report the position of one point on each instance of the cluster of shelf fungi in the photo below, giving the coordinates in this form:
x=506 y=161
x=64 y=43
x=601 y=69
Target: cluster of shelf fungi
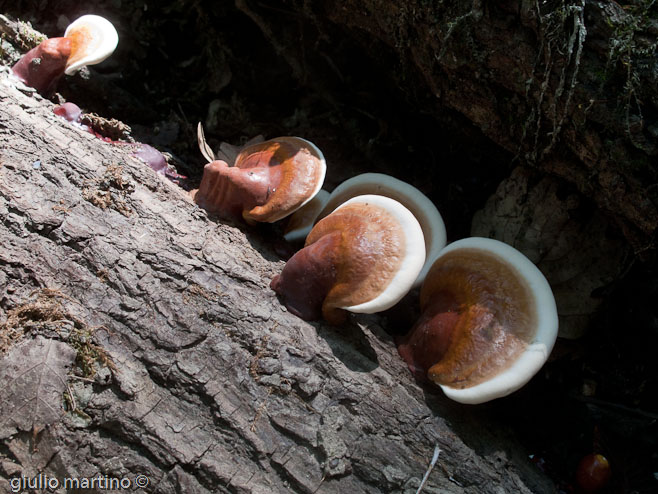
x=488 y=320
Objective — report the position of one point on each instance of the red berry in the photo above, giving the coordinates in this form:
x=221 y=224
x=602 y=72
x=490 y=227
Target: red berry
x=593 y=473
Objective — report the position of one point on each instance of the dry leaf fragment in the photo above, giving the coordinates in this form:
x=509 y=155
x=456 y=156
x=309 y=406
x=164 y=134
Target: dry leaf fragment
x=32 y=380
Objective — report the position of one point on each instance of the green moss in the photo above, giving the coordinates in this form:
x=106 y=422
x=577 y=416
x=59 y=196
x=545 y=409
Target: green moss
x=29 y=36
x=44 y=314
x=89 y=355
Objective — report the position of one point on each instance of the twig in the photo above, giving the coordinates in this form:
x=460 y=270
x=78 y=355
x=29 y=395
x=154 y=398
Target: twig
x=85 y=379
x=74 y=406
x=429 y=470
x=320 y=484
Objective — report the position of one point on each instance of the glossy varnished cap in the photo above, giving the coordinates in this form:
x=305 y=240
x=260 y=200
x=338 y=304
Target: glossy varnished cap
x=431 y=222
x=94 y=39
x=488 y=322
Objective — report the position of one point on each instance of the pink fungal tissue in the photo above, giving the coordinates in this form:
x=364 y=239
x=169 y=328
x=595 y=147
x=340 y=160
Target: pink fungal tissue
x=156 y=160
x=145 y=153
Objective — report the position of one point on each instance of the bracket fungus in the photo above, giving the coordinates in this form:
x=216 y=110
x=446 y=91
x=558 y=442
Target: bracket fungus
x=268 y=181
x=363 y=257
x=434 y=230
x=88 y=40
x=488 y=322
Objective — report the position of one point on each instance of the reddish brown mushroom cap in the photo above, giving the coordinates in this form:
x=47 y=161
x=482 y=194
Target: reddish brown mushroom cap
x=488 y=324
x=363 y=257
x=88 y=40
x=269 y=180
x=414 y=200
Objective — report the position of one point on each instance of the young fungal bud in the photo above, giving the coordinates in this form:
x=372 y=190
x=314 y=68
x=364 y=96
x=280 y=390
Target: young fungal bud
x=434 y=230
x=363 y=257
x=69 y=111
x=155 y=160
x=488 y=322
x=268 y=181
x=88 y=40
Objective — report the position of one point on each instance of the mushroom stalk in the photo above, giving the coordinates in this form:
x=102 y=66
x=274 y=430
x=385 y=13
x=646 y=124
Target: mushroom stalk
x=228 y=191
x=308 y=277
x=41 y=67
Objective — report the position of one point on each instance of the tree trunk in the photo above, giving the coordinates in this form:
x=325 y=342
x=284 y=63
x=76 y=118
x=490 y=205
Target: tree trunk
x=187 y=370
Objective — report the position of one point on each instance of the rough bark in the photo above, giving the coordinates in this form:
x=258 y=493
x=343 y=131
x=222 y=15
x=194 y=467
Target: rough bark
x=203 y=382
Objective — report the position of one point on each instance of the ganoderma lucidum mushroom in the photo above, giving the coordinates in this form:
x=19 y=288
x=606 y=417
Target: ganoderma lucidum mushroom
x=268 y=181
x=363 y=257
x=488 y=321
x=88 y=40
x=434 y=230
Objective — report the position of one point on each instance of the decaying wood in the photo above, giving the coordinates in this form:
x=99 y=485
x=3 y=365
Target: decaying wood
x=214 y=387
x=567 y=87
